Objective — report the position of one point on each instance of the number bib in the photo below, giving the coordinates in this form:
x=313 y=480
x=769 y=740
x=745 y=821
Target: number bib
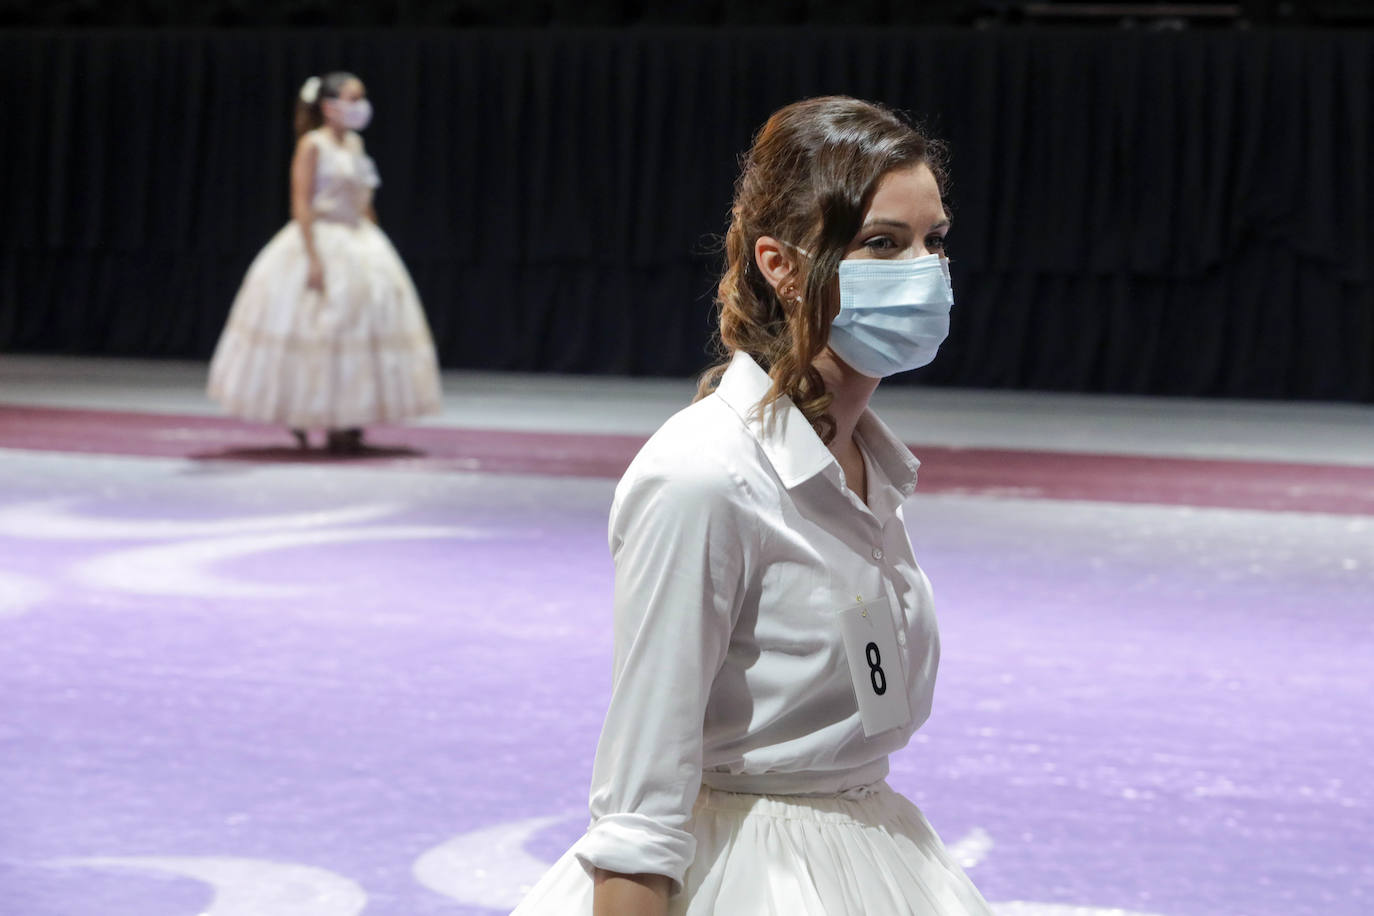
x=870 y=646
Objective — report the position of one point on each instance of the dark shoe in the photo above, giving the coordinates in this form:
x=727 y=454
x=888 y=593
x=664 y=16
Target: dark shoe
x=345 y=441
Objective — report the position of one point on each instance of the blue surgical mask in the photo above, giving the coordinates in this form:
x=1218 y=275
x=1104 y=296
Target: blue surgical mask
x=354 y=115
x=893 y=314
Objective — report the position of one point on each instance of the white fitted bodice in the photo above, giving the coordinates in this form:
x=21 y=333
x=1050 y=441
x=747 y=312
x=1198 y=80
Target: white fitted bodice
x=345 y=177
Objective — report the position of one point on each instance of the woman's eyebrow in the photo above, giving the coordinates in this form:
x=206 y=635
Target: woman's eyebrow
x=898 y=224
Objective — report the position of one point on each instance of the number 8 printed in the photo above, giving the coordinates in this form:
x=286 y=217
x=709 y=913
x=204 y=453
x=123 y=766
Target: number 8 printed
x=875 y=668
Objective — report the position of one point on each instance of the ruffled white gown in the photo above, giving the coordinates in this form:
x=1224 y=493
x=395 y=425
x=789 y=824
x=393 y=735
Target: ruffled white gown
x=358 y=353
x=772 y=855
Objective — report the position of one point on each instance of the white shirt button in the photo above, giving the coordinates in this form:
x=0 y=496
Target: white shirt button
x=901 y=637
x=877 y=553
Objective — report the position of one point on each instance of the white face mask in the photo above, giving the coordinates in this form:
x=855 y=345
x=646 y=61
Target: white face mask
x=893 y=314
x=354 y=115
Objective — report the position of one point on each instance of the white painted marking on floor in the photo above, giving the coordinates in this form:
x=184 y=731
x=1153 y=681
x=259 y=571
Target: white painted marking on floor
x=487 y=868
x=54 y=521
x=18 y=593
x=253 y=887
x=179 y=569
x=972 y=849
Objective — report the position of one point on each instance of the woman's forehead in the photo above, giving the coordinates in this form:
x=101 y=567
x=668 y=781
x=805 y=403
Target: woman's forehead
x=907 y=193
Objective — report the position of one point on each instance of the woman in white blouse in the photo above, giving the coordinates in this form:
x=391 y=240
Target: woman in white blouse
x=775 y=639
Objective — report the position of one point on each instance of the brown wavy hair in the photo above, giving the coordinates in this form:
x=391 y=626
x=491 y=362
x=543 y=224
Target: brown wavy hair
x=309 y=115
x=807 y=180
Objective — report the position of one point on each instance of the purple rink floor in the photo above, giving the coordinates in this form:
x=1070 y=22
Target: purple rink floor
x=243 y=689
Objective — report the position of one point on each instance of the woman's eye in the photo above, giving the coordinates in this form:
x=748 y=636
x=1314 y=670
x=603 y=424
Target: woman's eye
x=881 y=243
x=936 y=243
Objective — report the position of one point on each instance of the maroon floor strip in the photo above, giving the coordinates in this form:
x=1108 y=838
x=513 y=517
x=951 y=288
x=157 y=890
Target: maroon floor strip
x=1267 y=485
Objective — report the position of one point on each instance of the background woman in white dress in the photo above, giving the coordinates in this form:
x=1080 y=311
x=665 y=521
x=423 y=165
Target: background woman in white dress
x=775 y=639
x=327 y=330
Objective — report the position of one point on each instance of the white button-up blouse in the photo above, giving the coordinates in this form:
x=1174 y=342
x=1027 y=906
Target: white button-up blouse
x=736 y=543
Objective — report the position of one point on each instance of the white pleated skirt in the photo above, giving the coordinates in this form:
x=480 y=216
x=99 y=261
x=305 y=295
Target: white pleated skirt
x=772 y=855
x=358 y=353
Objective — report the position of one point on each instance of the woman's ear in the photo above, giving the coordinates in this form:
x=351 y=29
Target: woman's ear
x=776 y=264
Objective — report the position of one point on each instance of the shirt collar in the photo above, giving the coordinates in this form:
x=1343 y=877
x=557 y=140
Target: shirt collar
x=888 y=452
x=791 y=445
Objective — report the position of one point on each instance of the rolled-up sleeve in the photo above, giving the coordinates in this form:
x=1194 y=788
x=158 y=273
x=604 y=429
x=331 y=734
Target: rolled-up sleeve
x=678 y=537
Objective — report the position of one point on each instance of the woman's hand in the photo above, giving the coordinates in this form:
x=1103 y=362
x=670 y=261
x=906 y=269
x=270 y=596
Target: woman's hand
x=314 y=277
x=630 y=895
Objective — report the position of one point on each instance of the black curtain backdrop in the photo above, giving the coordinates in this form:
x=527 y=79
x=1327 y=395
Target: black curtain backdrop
x=1134 y=212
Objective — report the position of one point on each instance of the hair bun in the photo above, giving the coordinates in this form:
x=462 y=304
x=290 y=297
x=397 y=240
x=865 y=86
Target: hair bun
x=310 y=91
